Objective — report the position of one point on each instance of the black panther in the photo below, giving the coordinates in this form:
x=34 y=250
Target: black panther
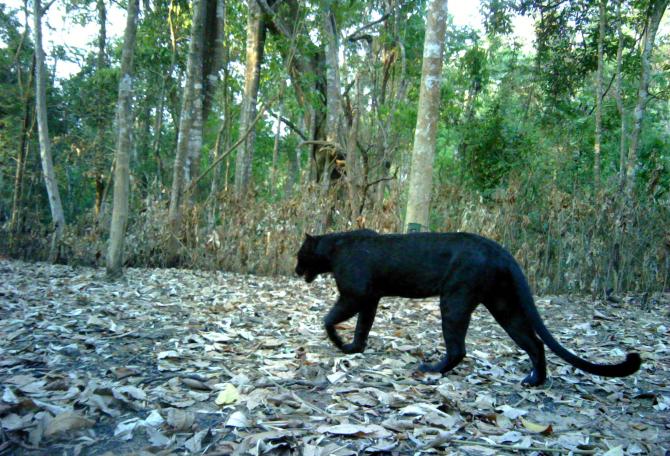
x=463 y=269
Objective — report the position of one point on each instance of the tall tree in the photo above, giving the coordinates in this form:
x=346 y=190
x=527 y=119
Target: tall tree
x=57 y=216
x=599 y=96
x=124 y=121
x=653 y=19
x=333 y=97
x=27 y=126
x=191 y=102
x=618 y=94
x=101 y=63
x=212 y=61
x=423 y=153
x=256 y=32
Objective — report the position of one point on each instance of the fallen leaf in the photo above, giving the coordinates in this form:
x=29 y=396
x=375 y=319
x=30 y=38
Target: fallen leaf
x=67 y=421
x=545 y=429
x=370 y=430
x=180 y=420
x=238 y=420
x=229 y=395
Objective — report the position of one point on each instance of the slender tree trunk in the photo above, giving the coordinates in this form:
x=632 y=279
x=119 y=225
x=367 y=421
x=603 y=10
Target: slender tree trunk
x=618 y=93
x=192 y=167
x=162 y=97
x=599 y=98
x=189 y=106
x=356 y=173
x=53 y=194
x=225 y=132
x=22 y=154
x=211 y=62
x=423 y=153
x=255 y=43
x=124 y=120
x=275 y=154
x=333 y=97
x=657 y=8
x=100 y=152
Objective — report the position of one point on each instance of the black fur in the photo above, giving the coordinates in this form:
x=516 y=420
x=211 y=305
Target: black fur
x=463 y=269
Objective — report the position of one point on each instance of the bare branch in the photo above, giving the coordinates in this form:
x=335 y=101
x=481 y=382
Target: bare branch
x=261 y=111
x=289 y=124
x=354 y=35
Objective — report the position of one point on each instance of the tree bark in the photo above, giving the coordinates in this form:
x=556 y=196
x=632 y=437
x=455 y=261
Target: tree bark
x=423 y=153
x=618 y=94
x=212 y=59
x=333 y=96
x=599 y=98
x=223 y=136
x=656 y=10
x=99 y=163
x=255 y=44
x=123 y=145
x=16 y=220
x=53 y=194
x=186 y=119
x=274 y=171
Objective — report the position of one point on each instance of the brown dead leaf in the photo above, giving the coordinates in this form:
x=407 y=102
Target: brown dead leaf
x=67 y=421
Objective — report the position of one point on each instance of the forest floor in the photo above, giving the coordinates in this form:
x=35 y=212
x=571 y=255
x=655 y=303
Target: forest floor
x=175 y=362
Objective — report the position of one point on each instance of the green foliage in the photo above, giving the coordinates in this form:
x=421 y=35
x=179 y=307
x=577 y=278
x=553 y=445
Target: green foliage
x=515 y=132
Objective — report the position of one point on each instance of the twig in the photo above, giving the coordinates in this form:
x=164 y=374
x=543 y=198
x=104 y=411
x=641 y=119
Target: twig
x=291 y=382
x=158 y=378
x=353 y=36
x=442 y=439
x=317 y=142
x=117 y=336
x=261 y=111
x=304 y=402
x=370 y=184
x=289 y=124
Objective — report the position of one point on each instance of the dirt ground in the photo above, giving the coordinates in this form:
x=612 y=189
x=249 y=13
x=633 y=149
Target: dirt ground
x=180 y=362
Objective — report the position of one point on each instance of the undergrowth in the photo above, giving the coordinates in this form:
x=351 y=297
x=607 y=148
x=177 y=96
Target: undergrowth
x=565 y=242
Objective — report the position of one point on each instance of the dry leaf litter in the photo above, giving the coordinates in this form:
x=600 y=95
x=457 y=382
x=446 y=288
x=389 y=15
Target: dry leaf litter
x=188 y=362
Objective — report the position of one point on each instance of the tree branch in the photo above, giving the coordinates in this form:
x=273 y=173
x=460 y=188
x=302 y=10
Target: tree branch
x=289 y=124
x=352 y=37
x=261 y=111
x=272 y=17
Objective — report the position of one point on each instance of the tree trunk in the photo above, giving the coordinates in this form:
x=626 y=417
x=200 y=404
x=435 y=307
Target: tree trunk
x=333 y=98
x=22 y=154
x=99 y=163
x=275 y=154
x=124 y=120
x=599 y=99
x=656 y=10
x=255 y=44
x=212 y=51
x=194 y=68
x=306 y=68
x=618 y=93
x=423 y=153
x=55 y=204
x=225 y=132
x=192 y=167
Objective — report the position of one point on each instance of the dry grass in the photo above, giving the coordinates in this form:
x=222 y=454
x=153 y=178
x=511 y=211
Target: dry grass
x=564 y=242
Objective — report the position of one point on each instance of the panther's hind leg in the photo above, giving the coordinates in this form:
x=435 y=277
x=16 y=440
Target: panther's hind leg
x=455 y=311
x=519 y=327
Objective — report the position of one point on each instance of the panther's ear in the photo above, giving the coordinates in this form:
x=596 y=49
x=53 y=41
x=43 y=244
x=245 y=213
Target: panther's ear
x=308 y=237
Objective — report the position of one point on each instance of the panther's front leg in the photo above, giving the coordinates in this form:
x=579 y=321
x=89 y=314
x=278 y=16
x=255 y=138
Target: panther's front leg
x=344 y=309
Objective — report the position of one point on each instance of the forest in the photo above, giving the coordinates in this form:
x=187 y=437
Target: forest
x=158 y=179
x=247 y=125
